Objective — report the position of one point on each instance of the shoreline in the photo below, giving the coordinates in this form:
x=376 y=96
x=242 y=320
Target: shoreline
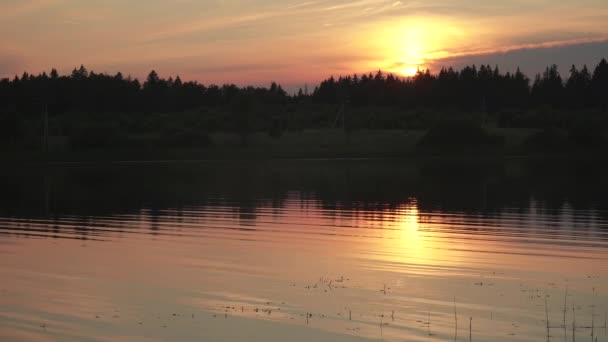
x=105 y=159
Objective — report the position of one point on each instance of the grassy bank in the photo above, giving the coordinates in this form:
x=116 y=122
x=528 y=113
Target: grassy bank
x=304 y=144
x=329 y=143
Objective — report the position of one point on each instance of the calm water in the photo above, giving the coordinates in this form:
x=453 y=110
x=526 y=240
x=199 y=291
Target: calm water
x=306 y=250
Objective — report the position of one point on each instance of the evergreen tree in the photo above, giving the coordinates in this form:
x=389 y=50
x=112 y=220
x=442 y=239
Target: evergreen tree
x=599 y=84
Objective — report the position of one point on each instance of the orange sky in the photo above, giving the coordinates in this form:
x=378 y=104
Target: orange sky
x=292 y=42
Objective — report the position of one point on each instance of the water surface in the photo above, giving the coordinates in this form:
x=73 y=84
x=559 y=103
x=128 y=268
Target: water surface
x=305 y=250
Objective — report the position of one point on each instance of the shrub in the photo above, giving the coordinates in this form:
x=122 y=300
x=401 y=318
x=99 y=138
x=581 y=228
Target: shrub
x=11 y=127
x=587 y=133
x=275 y=130
x=185 y=138
x=97 y=135
x=548 y=138
x=459 y=133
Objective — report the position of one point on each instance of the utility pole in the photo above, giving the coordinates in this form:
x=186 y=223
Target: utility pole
x=45 y=129
x=484 y=111
x=344 y=104
x=341 y=114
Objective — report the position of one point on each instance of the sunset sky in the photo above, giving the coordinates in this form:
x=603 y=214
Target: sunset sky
x=296 y=41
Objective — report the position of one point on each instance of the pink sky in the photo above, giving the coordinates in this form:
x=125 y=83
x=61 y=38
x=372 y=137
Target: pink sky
x=291 y=42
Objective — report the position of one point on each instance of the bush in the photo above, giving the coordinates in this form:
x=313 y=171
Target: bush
x=185 y=138
x=11 y=127
x=589 y=134
x=548 y=138
x=459 y=133
x=97 y=135
x=275 y=130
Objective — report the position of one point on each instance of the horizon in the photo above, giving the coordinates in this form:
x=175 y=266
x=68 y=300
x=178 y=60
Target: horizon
x=257 y=42
x=292 y=89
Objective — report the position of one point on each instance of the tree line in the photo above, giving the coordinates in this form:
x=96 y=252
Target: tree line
x=472 y=88
x=87 y=91
x=102 y=110
x=469 y=88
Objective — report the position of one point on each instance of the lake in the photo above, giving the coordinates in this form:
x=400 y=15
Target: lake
x=308 y=250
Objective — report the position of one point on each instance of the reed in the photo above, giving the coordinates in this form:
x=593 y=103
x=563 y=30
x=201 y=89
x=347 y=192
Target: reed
x=547 y=316
x=455 y=321
x=565 y=309
x=429 y=324
x=573 y=323
x=593 y=316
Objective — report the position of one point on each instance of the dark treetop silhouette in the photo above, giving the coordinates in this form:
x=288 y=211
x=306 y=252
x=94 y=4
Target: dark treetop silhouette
x=100 y=110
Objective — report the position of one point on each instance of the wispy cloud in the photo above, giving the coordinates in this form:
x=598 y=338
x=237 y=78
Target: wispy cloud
x=542 y=45
x=533 y=59
x=303 y=4
x=207 y=24
x=12 y=8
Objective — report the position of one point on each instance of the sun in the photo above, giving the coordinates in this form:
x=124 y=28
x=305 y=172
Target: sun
x=403 y=47
x=409 y=71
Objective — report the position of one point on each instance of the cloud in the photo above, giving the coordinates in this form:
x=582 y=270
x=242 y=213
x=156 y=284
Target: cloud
x=234 y=68
x=207 y=24
x=12 y=8
x=303 y=4
x=530 y=46
x=351 y=4
x=533 y=58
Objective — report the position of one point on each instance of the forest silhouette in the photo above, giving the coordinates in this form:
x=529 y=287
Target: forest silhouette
x=453 y=107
